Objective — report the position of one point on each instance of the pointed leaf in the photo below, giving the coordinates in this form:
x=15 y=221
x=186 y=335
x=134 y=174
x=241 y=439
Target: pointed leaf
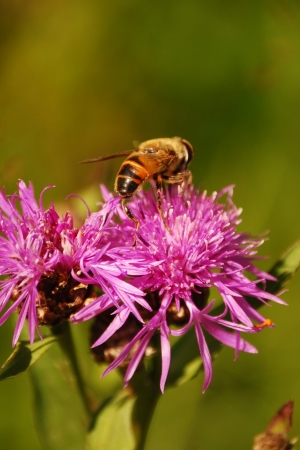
x=24 y=356
x=59 y=413
x=113 y=428
x=284 y=269
x=122 y=422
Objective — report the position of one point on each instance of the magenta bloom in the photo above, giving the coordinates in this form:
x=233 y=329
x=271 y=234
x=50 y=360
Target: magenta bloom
x=52 y=272
x=202 y=250
x=49 y=268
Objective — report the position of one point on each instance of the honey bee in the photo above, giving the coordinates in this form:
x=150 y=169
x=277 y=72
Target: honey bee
x=162 y=159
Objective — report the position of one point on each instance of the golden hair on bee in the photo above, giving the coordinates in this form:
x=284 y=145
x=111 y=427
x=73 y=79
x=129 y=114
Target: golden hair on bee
x=162 y=159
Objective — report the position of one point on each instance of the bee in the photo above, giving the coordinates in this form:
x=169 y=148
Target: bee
x=162 y=159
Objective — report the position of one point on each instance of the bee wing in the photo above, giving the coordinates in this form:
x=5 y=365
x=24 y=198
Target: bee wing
x=104 y=158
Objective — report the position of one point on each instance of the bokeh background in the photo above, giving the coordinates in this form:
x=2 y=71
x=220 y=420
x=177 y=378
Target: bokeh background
x=83 y=79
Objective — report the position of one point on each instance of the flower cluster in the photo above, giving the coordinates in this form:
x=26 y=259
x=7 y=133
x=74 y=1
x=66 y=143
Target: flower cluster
x=159 y=286
x=51 y=269
x=202 y=249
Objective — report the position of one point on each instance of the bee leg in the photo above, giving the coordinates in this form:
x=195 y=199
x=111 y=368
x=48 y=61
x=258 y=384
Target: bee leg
x=158 y=181
x=129 y=214
x=180 y=178
x=187 y=174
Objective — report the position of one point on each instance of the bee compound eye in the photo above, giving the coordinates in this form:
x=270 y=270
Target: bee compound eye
x=189 y=149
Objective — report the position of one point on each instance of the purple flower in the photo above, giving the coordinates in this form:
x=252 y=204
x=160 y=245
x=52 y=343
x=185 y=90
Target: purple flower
x=201 y=250
x=50 y=269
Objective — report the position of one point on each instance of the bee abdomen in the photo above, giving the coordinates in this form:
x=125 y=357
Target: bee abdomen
x=136 y=172
x=129 y=178
x=125 y=187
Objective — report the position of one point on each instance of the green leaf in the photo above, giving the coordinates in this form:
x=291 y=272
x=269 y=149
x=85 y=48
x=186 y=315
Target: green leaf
x=284 y=269
x=122 y=422
x=113 y=428
x=24 y=356
x=59 y=411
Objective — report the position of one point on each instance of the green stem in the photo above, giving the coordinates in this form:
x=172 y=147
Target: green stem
x=66 y=344
x=148 y=394
x=147 y=389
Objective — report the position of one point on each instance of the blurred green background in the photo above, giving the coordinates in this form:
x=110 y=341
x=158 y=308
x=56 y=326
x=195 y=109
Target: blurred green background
x=80 y=79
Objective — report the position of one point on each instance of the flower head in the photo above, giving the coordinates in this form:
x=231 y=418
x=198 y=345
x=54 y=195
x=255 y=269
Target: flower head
x=52 y=271
x=201 y=250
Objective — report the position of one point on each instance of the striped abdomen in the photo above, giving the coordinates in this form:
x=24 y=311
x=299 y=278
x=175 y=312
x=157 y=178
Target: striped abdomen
x=131 y=175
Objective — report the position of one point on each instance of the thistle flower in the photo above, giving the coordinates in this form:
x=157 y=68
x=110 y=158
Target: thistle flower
x=201 y=250
x=50 y=269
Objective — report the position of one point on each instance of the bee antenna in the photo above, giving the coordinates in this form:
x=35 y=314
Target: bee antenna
x=104 y=158
x=86 y=161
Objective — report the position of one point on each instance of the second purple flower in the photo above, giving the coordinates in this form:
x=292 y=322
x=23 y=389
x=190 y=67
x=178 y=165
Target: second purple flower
x=202 y=250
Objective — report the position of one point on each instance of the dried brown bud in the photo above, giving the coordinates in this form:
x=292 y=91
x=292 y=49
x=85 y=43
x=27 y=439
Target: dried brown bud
x=60 y=296
x=275 y=436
